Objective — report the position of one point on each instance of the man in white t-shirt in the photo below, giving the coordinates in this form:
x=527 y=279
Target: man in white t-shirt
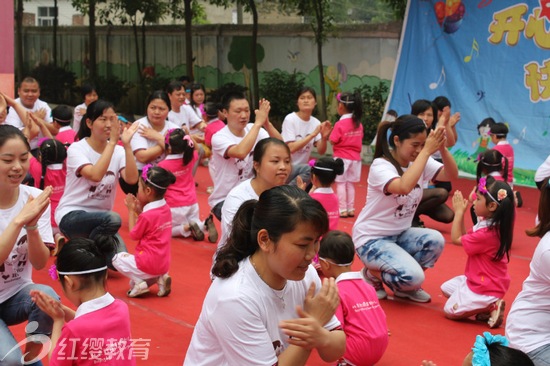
x=29 y=92
x=233 y=146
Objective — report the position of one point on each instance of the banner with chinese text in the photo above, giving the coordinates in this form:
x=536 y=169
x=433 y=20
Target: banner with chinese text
x=491 y=59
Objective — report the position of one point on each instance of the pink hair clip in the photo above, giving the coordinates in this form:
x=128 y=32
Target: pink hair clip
x=482 y=185
x=53 y=272
x=189 y=141
x=311 y=163
x=167 y=136
x=145 y=171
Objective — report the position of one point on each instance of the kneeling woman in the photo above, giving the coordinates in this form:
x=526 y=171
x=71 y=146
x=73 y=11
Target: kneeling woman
x=267 y=305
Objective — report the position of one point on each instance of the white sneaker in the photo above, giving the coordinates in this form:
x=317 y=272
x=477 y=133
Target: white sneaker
x=165 y=285
x=138 y=289
x=418 y=295
x=376 y=283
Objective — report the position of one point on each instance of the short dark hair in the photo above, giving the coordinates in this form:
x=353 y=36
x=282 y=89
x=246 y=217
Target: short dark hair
x=499 y=130
x=62 y=114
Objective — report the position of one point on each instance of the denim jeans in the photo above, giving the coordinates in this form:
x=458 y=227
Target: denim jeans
x=402 y=258
x=16 y=310
x=94 y=225
x=541 y=355
x=302 y=170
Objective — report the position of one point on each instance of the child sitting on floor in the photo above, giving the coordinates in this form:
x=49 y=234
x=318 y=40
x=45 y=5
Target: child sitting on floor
x=363 y=320
x=150 y=222
x=81 y=267
x=480 y=291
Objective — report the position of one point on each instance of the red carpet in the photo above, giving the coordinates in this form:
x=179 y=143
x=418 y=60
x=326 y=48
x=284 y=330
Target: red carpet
x=418 y=331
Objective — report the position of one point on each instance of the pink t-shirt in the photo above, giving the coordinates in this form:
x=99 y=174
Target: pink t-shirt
x=211 y=129
x=363 y=320
x=153 y=229
x=346 y=139
x=66 y=135
x=56 y=175
x=485 y=276
x=507 y=151
x=329 y=200
x=99 y=336
x=183 y=192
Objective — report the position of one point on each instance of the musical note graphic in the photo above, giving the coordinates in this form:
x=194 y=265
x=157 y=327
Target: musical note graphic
x=484 y=3
x=475 y=47
x=521 y=136
x=480 y=95
x=440 y=81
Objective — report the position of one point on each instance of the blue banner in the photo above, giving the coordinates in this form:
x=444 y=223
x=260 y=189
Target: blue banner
x=491 y=59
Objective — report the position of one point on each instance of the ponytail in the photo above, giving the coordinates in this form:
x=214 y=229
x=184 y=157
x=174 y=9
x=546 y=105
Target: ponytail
x=353 y=103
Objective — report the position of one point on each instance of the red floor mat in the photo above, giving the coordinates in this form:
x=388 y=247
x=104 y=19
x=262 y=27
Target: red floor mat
x=418 y=331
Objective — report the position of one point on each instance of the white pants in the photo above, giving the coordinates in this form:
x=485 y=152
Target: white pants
x=463 y=300
x=182 y=216
x=125 y=263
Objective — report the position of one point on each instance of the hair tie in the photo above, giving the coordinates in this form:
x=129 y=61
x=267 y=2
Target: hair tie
x=144 y=176
x=481 y=355
x=482 y=188
x=339 y=98
x=167 y=136
x=311 y=163
x=189 y=141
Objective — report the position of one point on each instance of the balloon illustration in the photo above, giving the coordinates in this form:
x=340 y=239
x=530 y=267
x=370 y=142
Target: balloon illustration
x=449 y=14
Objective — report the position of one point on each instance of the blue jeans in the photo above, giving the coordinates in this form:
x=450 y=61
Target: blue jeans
x=402 y=258
x=541 y=355
x=302 y=170
x=16 y=310
x=94 y=225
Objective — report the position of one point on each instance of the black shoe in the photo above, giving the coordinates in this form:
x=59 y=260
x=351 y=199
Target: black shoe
x=519 y=199
x=211 y=229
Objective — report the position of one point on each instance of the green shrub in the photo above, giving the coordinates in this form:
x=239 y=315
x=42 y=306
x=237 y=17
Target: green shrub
x=374 y=101
x=57 y=85
x=280 y=89
x=112 y=88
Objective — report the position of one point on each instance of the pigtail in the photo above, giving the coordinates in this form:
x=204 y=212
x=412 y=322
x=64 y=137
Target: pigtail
x=357 y=108
x=241 y=243
x=503 y=217
x=43 y=174
x=180 y=143
x=382 y=148
x=51 y=152
x=505 y=168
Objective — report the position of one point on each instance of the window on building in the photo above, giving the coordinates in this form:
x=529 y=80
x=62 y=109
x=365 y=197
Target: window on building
x=46 y=15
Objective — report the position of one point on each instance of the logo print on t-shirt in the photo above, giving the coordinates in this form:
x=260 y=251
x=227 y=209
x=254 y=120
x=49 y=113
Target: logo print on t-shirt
x=104 y=189
x=407 y=204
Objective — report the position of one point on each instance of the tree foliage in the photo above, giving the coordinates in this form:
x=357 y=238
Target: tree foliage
x=398 y=6
x=361 y=11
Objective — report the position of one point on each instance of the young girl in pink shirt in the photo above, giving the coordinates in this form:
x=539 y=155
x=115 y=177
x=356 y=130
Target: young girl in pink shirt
x=323 y=173
x=480 y=291
x=363 y=319
x=98 y=332
x=150 y=222
x=50 y=170
x=182 y=195
x=347 y=142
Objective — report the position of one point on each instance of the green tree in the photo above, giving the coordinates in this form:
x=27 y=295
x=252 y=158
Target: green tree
x=361 y=11
x=88 y=7
x=398 y=6
x=319 y=14
x=249 y=6
x=137 y=13
x=192 y=12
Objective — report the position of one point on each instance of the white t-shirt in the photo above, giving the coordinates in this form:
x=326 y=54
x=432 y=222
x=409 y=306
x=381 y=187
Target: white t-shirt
x=83 y=194
x=384 y=213
x=527 y=325
x=239 y=321
x=294 y=129
x=139 y=142
x=230 y=171
x=236 y=197
x=16 y=271
x=14 y=120
x=185 y=117
x=77 y=117
x=543 y=170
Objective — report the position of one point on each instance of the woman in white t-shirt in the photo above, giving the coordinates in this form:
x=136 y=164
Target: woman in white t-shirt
x=94 y=164
x=271 y=167
x=527 y=326
x=394 y=253
x=301 y=131
x=267 y=305
x=25 y=229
